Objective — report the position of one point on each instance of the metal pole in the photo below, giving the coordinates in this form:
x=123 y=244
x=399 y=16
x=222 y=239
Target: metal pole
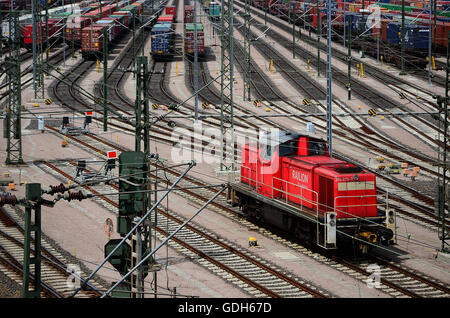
x=191 y=165
x=105 y=80
x=247 y=46
x=402 y=72
x=363 y=26
x=319 y=31
x=329 y=82
x=444 y=177
x=435 y=13
x=33 y=193
x=226 y=81
x=195 y=64
x=344 y=20
x=134 y=44
x=265 y=12
x=164 y=242
x=349 y=57
x=293 y=31
x=429 y=48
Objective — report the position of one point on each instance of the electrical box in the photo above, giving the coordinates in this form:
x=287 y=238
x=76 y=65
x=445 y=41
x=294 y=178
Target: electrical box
x=41 y=124
x=331 y=228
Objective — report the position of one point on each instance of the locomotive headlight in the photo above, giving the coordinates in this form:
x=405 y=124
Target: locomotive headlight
x=356 y=177
x=332 y=221
x=391 y=216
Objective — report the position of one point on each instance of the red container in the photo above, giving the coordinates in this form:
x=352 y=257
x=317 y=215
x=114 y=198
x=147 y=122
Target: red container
x=117 y=25
x=54 y=25
x=92 y=39
x=171 y=11
x=165 y=18
x=28 y=34
x=188 y=14
x=442 y=29
x=126 y=15
x=189 y=42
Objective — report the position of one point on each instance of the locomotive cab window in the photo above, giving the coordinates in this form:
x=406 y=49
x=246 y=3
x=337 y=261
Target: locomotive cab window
x=316 y=148
x=289 y=148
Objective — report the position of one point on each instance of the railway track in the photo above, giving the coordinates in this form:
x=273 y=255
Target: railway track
x=372 y=97
x=54 y=269
x=260 y=278
x=398 y=281
x=418 y=199
x=160 y=132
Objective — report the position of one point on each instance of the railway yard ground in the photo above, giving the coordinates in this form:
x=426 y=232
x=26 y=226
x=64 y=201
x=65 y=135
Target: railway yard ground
x=212 y=256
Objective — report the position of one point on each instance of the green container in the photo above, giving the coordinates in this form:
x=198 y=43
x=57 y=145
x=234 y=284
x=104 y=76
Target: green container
x=190 y=27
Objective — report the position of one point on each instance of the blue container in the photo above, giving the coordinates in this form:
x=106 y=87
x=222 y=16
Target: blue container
x=357 y=23
x=349 y=16
x=393 y=30
x=161 y=35
x=416 y=36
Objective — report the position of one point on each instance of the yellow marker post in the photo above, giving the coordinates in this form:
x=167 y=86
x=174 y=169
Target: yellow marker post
x=357 y=67
x=117 y=138
x=362 y=71
x=309 y=69
x=271 y=66
x=433 y=64
x=68 y=183
x=381 y=57
x=176 y=68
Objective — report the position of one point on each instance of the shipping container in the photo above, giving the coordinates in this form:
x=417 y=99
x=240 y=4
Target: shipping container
x=214 y=11
x=165 y=18
x=416 y=37
x=171 y=11
x=162 y=35
x=188 y=14
x=92 y=40
x=189 y=38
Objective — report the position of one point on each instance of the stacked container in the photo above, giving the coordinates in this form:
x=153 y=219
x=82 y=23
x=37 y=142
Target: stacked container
x=188 y=14
x=162 y=39
x=92 y=40
x=189 y=38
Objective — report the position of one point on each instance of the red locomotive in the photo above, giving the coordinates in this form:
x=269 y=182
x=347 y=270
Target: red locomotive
x=291 y=182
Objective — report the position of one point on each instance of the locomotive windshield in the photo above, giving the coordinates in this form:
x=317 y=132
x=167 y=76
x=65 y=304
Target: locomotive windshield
x=289 y=148
x=316 y=148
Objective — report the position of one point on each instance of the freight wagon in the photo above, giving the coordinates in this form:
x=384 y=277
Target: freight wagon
x=162 y=36
x=188 y=14
x=171 y=11
x=189 y=34
x=214 y=11
x=114 y=19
